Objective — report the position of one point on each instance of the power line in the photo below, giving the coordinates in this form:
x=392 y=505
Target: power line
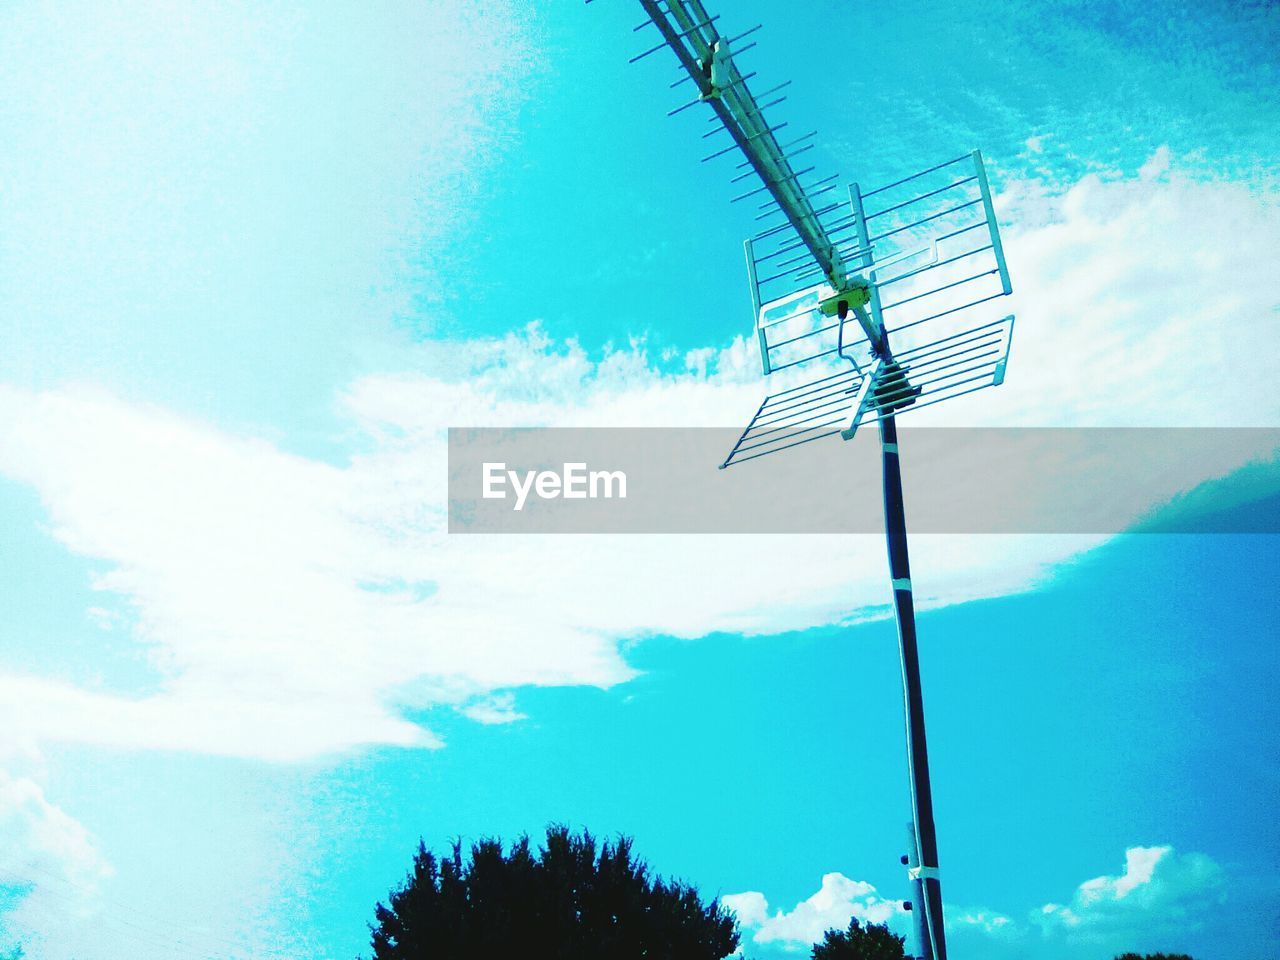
x=149 y=927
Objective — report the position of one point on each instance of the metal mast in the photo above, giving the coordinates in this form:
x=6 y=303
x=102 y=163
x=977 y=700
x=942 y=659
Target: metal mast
x=933 y=256
x=926 y=885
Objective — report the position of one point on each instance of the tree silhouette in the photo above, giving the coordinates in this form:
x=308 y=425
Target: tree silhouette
x=875 y=941
x=573 y=899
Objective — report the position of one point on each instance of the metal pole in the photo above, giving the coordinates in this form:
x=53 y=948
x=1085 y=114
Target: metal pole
x=921 y=797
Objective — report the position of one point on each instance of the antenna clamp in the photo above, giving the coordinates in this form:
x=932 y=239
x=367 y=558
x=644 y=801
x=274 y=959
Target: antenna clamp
x=715 y=70
x=854 y=293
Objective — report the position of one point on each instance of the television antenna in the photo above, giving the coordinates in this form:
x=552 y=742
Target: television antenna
x=867 y=315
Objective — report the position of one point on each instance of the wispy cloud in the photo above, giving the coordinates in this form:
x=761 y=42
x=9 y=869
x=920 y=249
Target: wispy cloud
x=50 y=867
x=225 y=195
x=499 y=708
x=987 y=922
x=292 y=607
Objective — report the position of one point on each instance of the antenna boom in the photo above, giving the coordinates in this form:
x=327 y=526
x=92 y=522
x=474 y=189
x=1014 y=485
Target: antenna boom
x=707 y=58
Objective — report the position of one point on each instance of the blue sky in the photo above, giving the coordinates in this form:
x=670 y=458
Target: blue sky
x=255 y=260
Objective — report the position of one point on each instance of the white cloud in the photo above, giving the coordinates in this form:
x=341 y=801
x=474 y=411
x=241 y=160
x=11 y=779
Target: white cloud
x=500 y=708
x=49 y=865
x=1156 y=165
x=982 y=921
x=986 y=923
x=1159 y=892
x=1158 y=889
x=292 y=607
x=837 y=901
x=1139 y=303
x=751 y=908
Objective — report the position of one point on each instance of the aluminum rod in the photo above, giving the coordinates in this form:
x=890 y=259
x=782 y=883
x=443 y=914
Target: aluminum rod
x=844 y=382
x=933 y=266
x=804 y=336
x=840 y=395
x=930 y=293
x=796 y=443
x=914 y=176
x=805 y=386
x=935 y=316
